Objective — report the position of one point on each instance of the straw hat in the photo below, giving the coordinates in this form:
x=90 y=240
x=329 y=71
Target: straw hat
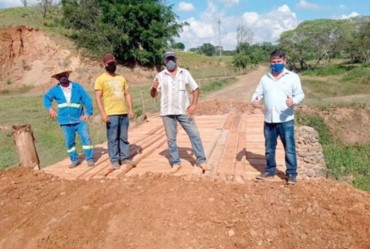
x=56 y=76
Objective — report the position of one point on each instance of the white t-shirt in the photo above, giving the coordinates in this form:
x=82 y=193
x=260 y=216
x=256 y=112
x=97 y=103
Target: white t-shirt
x=67 y=91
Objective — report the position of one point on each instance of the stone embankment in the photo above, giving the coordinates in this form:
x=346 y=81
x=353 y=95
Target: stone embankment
x=310 y=155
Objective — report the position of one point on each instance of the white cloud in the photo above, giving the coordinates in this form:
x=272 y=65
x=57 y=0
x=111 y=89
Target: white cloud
x=201 y=30
x=15 y=3
x=230 y=2
x=184 y=6
x=265 y=27
x=206 y=29
x=353 y=14
x=268 y=27
x=251 y=18
x=342 y=6
x=306 y=5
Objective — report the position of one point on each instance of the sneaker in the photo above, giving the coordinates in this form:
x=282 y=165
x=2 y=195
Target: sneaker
x=127 y=161
x=115 y=166
x=90 y=163
x=265 y=175
x=203 y=166
x=175 y=168
x=292 y=180
x=73 y=165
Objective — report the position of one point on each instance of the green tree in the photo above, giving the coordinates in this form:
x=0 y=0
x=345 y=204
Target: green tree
x=324 y=39
x=178 y=45
x=240 y=61
x=137 y=32
x=207 y=49
x=46 y=5
x=358 y=39
x=252 y=54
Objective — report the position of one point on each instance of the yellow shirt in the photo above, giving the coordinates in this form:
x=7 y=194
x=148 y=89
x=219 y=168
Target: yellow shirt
x=113 y=88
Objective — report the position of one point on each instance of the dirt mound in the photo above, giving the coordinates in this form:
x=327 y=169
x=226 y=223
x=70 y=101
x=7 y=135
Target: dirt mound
x=30 y=57
x=162 y=211
x=347 y=124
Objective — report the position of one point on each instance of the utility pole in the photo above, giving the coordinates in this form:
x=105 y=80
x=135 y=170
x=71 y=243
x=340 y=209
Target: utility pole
x=219 y=37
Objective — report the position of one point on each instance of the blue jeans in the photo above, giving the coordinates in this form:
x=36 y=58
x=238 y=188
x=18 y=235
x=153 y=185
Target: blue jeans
x=188 y=124
x=118 y=146
x=286 y=132
x=69 y=132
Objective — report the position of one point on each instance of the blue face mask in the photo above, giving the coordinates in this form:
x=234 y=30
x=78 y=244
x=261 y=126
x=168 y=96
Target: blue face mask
x=171 y=65
x=277 y=68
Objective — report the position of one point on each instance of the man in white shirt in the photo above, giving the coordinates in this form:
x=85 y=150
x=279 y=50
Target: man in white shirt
x=281 y=90
x=172 y=84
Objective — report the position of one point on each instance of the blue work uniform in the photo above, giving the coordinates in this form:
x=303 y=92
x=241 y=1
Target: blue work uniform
x=69 y=117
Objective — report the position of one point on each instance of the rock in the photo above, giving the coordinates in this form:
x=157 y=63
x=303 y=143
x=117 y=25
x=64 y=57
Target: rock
x=231 y=233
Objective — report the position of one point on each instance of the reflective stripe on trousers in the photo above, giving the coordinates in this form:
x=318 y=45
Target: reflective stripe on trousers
x=69 y=132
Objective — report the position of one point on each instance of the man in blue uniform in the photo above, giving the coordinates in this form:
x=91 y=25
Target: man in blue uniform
x=74 y=109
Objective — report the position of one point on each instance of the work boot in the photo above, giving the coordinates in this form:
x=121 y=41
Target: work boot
x=265 y=176
x=203 y=166
x=90 y=163
x=115 y=166
x=175 y=168
x=74 y=164
x=292 y=180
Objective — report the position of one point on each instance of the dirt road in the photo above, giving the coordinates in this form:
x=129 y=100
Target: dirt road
x=164 y=211
x=242 y=90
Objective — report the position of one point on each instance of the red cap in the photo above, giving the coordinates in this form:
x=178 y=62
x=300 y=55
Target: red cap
x=109 y=58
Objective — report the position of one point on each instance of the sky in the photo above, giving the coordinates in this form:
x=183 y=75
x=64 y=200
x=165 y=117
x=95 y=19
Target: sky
x=216 y=21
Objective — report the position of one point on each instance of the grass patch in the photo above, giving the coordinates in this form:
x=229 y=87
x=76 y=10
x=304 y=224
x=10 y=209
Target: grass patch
x=19 y=90
x=318 y=123
x=329 y=70
x=8 y=153
x=343 y=162
x=49 y=139
x=331 y=87
x=30 y=16
x=351 y=162
x=360 y=75
x=139 y=92
x=337 y=84
x=216 y=85
x=202 y=66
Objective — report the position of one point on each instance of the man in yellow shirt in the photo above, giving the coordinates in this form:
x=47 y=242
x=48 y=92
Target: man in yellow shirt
x=115 y=106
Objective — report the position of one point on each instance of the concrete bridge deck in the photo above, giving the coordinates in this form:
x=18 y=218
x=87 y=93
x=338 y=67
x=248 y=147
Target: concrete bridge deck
x=234 y=146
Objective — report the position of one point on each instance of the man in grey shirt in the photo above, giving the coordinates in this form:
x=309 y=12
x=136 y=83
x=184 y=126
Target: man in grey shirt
x=281 y=90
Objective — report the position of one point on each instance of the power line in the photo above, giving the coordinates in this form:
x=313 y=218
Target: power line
x=219 y=37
